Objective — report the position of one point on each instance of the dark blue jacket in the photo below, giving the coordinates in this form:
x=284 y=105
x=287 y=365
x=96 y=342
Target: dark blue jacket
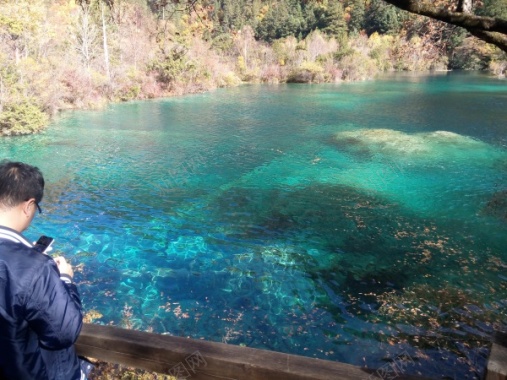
x=40 y=314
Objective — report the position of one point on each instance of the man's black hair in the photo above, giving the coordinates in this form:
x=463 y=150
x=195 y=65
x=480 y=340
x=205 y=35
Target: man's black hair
x=19 y=182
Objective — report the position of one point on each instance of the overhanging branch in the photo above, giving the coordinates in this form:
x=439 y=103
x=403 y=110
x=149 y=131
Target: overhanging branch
x=496 y=39
x=489 y=29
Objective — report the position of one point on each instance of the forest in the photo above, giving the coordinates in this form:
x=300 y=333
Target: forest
x=83 y=54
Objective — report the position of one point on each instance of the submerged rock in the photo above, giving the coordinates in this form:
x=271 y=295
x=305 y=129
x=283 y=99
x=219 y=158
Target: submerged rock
x=497 y=206
x=438 y=144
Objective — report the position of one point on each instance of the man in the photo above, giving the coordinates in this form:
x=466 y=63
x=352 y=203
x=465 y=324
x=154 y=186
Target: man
x=40 y=309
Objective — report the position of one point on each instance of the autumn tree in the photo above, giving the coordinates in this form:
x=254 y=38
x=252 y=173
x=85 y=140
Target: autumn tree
x=22 y=59
x=86 y=35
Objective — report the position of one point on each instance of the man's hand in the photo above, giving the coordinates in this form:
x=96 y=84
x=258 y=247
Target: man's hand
x=63 y=266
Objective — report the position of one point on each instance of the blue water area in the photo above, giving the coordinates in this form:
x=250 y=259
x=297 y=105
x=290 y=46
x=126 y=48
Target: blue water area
x=351 y=222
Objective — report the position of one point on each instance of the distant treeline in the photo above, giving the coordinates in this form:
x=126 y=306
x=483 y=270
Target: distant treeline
x=62 y=54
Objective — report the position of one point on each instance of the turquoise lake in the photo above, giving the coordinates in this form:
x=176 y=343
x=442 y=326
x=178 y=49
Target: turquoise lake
x=352 y=222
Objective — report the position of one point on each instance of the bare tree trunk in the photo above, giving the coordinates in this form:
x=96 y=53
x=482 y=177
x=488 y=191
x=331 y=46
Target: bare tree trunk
x=2 y=90
x=464 y=6
x=16 y=54
x=106 y=52
x=86 y=35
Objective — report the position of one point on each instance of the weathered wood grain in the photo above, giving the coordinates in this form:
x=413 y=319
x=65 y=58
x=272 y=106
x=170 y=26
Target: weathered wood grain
x=203 y=360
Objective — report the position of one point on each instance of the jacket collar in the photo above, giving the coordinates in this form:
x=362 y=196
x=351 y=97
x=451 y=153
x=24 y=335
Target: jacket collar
x=7 y=233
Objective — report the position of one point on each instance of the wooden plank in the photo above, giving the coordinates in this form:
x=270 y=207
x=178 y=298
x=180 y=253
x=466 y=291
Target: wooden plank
x=202 y=360
x=497 y=362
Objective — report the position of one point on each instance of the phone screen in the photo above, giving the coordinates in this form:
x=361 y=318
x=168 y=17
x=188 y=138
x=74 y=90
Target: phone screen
x=44 y=243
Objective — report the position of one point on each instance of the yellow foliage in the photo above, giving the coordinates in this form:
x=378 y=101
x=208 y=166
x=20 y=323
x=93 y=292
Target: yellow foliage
x=241 y=63
x=374 y=37
x=377 y=40
x=110 y=371
x=20 y=17
x=91 y=315
x=381 y=46
x=415 y=41
x=262 y=13
x=312 y=67
x=357 y=66
x=231 y=79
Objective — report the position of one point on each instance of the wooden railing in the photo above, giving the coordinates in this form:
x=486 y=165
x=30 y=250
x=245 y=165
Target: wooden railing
x=202 y=360
x=194 y=359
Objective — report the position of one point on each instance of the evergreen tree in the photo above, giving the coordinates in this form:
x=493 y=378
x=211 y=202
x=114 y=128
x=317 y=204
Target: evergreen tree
x=382 y=18
x=230 y=15
x=357 y=16
x=334 y=20
x=314 y=14
x=284 y=18
x=216 y=17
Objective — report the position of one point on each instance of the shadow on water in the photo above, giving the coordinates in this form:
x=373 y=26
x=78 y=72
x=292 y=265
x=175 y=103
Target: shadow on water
x=383 y=262
x=324 y=266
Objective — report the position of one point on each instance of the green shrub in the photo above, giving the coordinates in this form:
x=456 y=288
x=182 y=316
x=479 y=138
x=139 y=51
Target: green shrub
x=129 y=93
x=380 y=50
x=171 y=66
x=229 y=80
x=22 y=118
x=308 y=72
x=357 y=66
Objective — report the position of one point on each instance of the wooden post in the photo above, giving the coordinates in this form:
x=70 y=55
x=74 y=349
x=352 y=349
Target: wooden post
x=497 y=362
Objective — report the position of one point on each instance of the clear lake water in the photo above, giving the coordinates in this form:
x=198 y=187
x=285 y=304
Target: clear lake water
x=352 y=222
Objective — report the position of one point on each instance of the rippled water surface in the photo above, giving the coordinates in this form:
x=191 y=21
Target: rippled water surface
x=354 y=222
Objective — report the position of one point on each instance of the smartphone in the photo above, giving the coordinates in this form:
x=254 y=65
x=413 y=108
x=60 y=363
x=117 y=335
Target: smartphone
x=44 y=243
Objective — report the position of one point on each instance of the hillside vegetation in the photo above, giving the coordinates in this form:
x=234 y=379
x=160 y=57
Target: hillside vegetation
x=62 y=54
